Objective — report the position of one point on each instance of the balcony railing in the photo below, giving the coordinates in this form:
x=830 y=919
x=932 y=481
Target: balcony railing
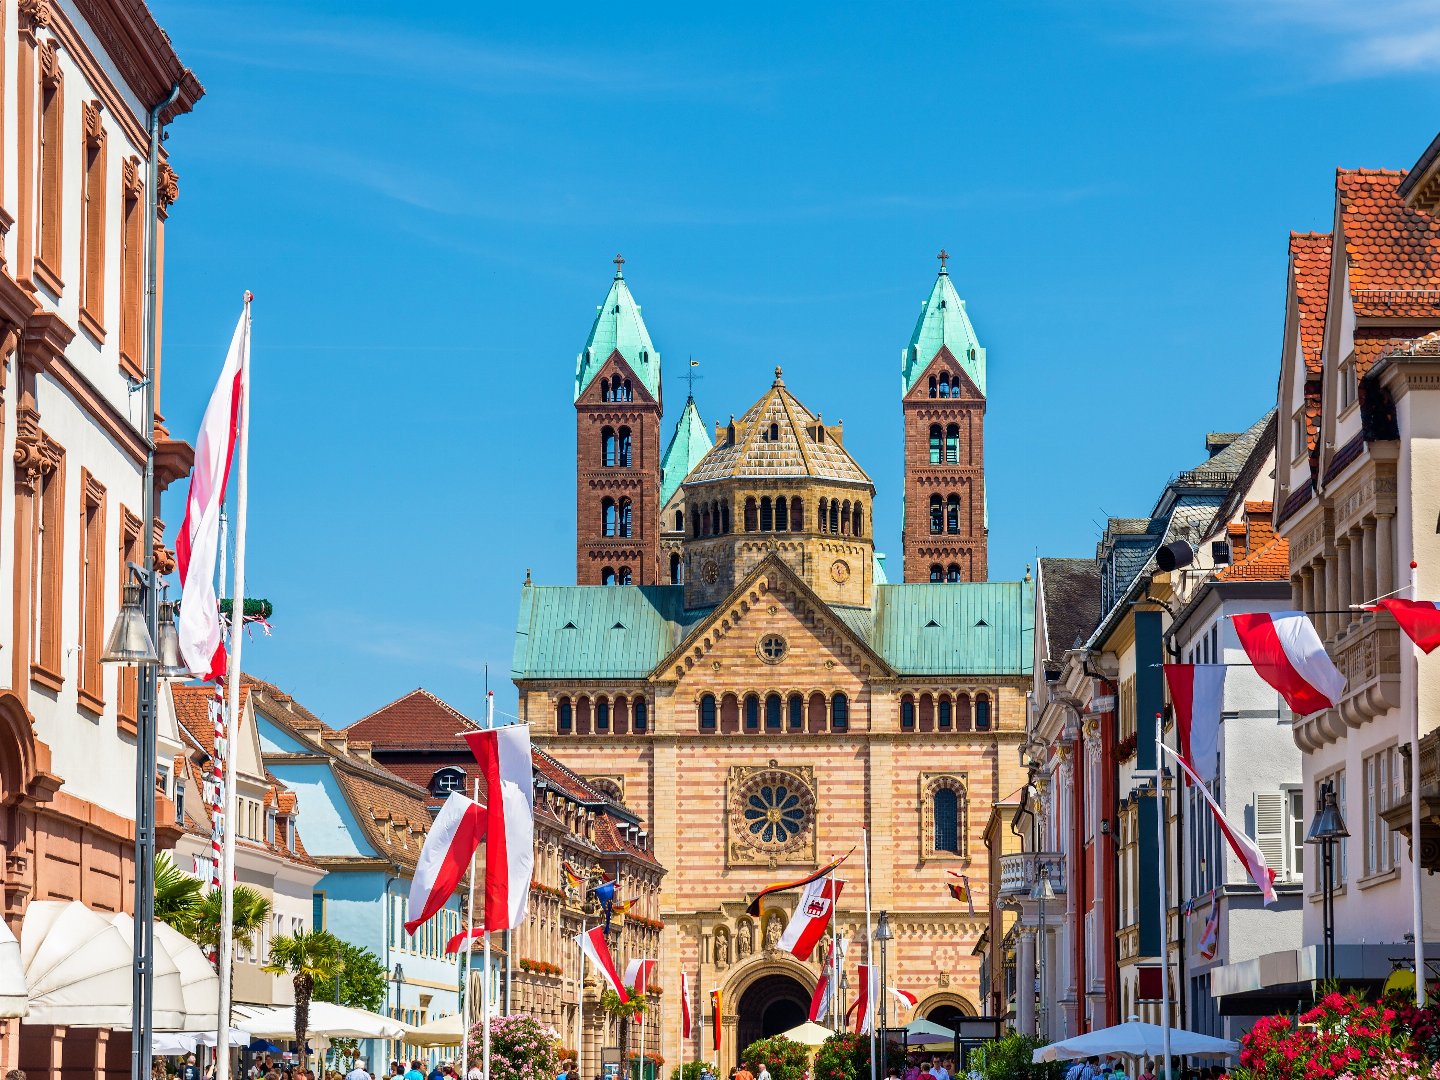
x=1020 y=872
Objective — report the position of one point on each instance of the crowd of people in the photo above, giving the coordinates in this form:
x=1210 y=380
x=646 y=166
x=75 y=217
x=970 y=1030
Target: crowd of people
x=1112 y=1068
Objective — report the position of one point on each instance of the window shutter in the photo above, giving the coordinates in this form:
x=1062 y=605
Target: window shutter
x=1270 y=828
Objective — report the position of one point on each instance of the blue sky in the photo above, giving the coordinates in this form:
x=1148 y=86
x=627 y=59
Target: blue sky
x=425 y=200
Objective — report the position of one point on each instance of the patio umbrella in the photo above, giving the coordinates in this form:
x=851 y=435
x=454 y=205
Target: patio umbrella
x=808 y=1034
x=171 y=1043
x=78 y=966
x=327 y=1019
x=923 y=1032
x=443 y=1032
x=199 y=985
x=14 y=997
x=1137 y=1040
x=168 y=1013
x=235 y=1037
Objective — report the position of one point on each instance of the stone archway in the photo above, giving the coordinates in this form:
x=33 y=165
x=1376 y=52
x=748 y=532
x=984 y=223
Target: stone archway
x=944 y=1008
x=771 y=1004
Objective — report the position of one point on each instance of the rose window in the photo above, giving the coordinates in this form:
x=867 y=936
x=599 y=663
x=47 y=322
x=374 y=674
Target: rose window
x=774 y=814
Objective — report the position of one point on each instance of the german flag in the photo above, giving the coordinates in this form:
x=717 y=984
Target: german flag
x=960 y=890
x=799 y=883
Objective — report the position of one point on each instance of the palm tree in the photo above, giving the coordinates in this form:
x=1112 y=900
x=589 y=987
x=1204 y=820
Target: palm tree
x=177 y=895
x=250 y=912
x=306 y=955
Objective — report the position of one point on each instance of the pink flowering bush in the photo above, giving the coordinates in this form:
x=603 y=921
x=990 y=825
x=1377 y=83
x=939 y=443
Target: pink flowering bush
x=521 y=1048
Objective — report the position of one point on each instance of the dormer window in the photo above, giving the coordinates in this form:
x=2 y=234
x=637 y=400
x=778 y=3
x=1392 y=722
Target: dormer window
x=1299 y=434
x=1349 y=386
x=447 y=780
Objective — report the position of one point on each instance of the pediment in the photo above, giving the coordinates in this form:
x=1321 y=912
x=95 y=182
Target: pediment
x=616 y=365
x=773 y=600
x=945 y=361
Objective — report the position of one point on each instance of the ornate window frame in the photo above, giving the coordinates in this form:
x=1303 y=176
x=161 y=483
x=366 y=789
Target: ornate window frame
x=741 y=847
x=929 y=784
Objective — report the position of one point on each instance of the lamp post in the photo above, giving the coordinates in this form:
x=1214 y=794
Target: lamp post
x=884 y=936
x=840 y=1001
x=1042 y=892
x=1327 y=829
x=399 y=1000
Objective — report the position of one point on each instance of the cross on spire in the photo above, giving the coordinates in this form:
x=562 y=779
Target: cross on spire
x=690 y=376
x=943 y=256
x=619 y=262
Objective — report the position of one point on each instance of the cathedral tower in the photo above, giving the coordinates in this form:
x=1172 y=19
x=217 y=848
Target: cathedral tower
x=617 y=446
x=944 y=535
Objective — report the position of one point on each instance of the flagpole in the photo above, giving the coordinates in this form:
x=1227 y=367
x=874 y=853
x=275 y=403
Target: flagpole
x=469 y=954
x=580 y=1007
x=834 y=951
x=869 y=949
x=1164 y=898
x=1415 y=883
x=492 y=796
x=232 y=708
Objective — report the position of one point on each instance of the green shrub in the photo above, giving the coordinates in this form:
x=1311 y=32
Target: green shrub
x=846 y=1056
x=1008 y=1058
x=691 y=1070
x=786 y=1060
x=521 y=1048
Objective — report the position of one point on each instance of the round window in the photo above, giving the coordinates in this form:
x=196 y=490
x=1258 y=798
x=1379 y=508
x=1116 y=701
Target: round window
x=774 y=814
x=772 y=648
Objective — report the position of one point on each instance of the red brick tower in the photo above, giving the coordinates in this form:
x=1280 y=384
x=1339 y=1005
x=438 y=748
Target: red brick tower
x=617 y=446
x=945 y=531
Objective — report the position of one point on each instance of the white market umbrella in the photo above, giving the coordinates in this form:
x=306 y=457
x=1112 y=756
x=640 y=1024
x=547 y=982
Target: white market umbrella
x=168 y=1013
x=199 y=984
x=327 y=1019
x=443 y=1032
x=808 y=1034
x=14 y=995
x=1136 y=1039
x=171 y=1043
x=921 y=1032
x=235 y=1037
x=77 y=964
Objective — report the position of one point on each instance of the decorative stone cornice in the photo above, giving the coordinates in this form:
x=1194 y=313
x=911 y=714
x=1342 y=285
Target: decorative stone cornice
x=94 y=129
x=167 y=188
x=36 y=455
x=35 y=14
x=130 y=178
x=49 y=57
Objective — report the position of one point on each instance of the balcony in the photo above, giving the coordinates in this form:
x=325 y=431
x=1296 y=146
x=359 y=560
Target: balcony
x=1020 y=872
x=1397 y=815
x=1368 y=653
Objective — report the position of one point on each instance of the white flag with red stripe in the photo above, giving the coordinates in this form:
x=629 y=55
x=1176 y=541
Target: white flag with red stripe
x=812 y=916
x=904 y=997
x=592 y=944
x=864 y=1007
x=449 y=846
x=1198 y=691
x=637 y=975
x=684 y=1005
x=824 y=994
x=1245 y=849
x=463 y=939
x=197 y=546
x=505 y=763
x=1288 y=654
x=1420 y=619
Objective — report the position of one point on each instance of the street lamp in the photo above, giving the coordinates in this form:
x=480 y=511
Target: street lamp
x=840 y=1004
x=1042 y=892
x=884 y=936
x=1327 y=829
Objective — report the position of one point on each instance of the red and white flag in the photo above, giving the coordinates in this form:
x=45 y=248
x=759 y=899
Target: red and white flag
x=592 y=944
x=1420 y=619
x=463 y=939
x=1209 y=943
x=449 y=846
x=684 y=1005
x=1288 y=654
x=637 y=975
x=1198 y=691
x=1245 y=849
x=812 y=916
x=864 y=1007
x=904 y=997
x=824 y=994
x=505 y=763
x=197 y=546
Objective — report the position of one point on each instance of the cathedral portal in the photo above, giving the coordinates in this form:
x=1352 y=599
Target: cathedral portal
x=771 y=1005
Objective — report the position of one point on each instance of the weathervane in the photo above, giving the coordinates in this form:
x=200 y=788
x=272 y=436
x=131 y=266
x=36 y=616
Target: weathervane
x=690 y=376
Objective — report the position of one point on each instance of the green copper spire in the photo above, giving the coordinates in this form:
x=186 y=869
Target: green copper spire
x=688 y=445
x=619 y=327
x=942 y=322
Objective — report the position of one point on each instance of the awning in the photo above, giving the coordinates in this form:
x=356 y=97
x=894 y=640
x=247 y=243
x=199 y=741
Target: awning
x=330 y=1020
x=13 y=995
x=1281 y=980
x=443 y=1032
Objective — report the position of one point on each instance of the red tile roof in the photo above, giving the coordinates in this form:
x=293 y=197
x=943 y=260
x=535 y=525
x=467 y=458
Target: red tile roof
x=1310 y=265
x=418 y=718
x=1269 y=563
x=1392 y=250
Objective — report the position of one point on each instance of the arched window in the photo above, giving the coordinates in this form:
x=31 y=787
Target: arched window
x=604 y=389
x=607 y=516
x=824 y=515
x=952 y=573
x=607 y=446
x=629 y=393
x=839 y=713
x=945 y=805
x=767 y=515
x=817 y=711
x=944 y=717
x=797 y=514
x=772 y=712
x=858 y=526
x=706 y=524
x=782 y=515
x=679 y=520
x=695 y=524
x=834 y=515
x=602 y=715
x=962 y=712
x=944 y=385
x=607 y=576
x=622 y=576
x=725 y=516
x=932 y=385
x=626 y=517
x=752 y=713
x=564 y=716
x=937 y=516
x=622 y=715
x=707 y=712
x=907 y=713
x=952 y=514
x=750 y=518
x=935 y=436
x=774 y=432
x=642 y=714
x=677 y=576
x=625 y=447
x=952 y=444
x=982 y=712
x=796 y=712
x=845 y=518
x=937 y=572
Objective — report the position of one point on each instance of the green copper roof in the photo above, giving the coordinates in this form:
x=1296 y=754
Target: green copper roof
x=969 y=628
x=687 y=446
x=597 y=631
x=942 y=322
x=618 y=327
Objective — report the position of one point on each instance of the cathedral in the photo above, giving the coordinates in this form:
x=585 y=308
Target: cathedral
x=734 y=663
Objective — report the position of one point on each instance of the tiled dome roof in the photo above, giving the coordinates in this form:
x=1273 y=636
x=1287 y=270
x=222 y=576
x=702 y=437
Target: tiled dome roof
x=777 y=438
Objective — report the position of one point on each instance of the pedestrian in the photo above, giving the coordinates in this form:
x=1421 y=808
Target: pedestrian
x=912 y=1069
x=476 y=1073
x=764 y=1073
x=416 y=1070
x=437 y=1072
x=15 y=1074
x=743 y=1073
x=939 y=1071
x=358 y=1072
x=705 y=1073
x=1147 y=1072
x=890 y=1073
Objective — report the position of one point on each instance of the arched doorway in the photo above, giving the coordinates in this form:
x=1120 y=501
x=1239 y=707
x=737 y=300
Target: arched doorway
x=770 y=1005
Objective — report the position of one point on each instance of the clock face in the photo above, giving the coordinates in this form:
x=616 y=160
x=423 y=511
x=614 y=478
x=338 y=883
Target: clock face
x=840 y=571
x=710 y=571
